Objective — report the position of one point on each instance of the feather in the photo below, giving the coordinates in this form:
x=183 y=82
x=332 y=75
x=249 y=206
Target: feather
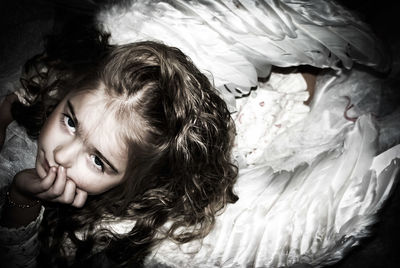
x=311 y=193
x=236 y=41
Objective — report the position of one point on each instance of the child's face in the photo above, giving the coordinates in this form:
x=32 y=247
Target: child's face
x=82 y=136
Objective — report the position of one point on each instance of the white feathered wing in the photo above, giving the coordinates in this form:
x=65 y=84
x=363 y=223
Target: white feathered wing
x=322 y=207
x=237 y=41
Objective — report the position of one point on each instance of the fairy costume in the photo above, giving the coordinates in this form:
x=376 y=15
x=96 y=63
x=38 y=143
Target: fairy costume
x=310 y=178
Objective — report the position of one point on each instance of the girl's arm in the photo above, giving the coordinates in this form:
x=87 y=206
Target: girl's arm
x=310 y=80
x=28 y=188
x=19 y=246
x=309 y=74
x=5 y=115
x=19 y=224
x=19 y=227
x=22 y=212
x=19 y=209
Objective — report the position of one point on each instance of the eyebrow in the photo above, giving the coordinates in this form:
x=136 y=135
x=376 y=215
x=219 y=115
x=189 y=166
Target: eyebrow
x=96 y=151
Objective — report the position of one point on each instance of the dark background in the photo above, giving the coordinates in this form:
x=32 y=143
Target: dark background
x=24 y=23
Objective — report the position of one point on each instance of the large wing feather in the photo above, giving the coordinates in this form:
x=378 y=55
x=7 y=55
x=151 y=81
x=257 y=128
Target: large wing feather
x=236 y=40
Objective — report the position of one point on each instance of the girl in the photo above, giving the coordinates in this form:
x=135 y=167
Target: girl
x=310 y=180
x=137 y=136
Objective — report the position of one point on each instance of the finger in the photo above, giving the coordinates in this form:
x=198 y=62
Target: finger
x=80 y=198
x=68 y=195
x=58 y=187
x=44 y=184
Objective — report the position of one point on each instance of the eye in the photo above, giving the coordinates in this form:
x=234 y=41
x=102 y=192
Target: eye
x=97 y=163
x=69 y=123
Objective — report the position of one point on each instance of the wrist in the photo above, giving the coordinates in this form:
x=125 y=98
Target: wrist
x=21 y=203
x=19 y=209
x=18 y=198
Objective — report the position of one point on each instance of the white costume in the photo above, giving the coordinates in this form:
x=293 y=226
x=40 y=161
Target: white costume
x=310 y=179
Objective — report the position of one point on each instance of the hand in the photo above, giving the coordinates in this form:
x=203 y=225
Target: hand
x=54 y=187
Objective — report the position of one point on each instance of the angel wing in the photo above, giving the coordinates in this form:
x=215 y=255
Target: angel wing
x=280 y=221
x=237 y=41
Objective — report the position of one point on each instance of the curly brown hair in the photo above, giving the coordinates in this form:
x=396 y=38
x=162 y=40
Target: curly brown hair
x=179 y=133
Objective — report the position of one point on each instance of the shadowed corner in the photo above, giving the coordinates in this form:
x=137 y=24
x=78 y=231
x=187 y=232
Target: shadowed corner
x=381 y=249
x=24 y=24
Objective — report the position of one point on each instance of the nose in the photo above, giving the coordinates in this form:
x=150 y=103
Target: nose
x=66 y=153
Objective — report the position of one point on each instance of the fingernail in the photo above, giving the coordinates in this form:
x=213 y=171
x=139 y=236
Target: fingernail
x=61 y=168
x=53 y=169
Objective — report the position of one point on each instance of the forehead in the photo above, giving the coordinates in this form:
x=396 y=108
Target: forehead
x=98 y=124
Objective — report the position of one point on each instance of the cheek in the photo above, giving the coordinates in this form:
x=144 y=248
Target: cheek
x=90 y=181
x=93 y=186
x=81 y=176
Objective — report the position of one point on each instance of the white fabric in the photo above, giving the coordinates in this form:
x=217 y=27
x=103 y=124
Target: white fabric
x=311 y=213
x=268 y=112
x=312 y=193
x=309 y=189
x=236 y=41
